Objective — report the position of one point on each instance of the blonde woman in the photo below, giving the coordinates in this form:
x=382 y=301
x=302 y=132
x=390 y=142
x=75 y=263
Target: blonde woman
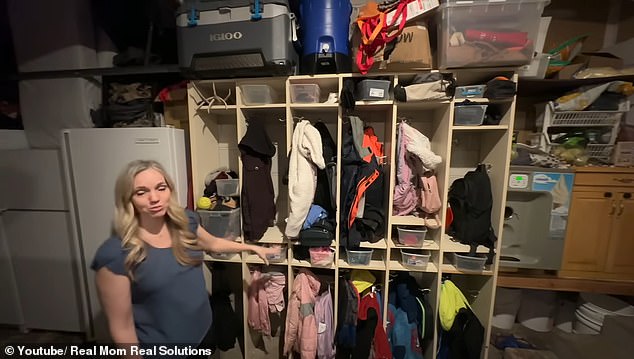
x=149 y=275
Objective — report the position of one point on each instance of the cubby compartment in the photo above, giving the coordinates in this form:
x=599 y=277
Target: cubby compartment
x=371 y=90
x=479 y=291
x=365 y=258
x=213 y=95
x=224 y=288
x=257 y=343
x=272 y=122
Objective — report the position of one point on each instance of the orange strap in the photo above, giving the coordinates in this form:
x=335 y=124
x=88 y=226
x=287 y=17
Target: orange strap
x=363 y=185
x=375 y=33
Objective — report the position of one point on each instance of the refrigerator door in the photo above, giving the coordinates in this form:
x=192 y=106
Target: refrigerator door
x=32 y=179
x=10 y=310
x=93 y=159
x=40 y=245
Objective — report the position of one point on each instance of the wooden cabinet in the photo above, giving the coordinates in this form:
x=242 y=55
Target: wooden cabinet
x=600 y=237
x=215 y=129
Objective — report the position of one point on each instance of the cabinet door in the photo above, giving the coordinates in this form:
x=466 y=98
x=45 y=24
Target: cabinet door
x=588 y=230
x=621 y=253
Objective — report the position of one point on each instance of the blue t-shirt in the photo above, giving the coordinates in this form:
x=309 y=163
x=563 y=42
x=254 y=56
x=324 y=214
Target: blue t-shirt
x=169 y=301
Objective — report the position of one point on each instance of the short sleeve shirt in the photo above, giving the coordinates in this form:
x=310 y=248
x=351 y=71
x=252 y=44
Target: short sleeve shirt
x=169 y=301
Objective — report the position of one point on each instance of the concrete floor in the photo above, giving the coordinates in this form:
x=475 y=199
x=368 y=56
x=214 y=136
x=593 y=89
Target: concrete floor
x=616 y=341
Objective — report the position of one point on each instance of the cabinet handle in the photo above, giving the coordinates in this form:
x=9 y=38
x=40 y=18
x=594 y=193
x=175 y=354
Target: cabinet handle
x=623 y=180
x=613 y=208
x=621 y=208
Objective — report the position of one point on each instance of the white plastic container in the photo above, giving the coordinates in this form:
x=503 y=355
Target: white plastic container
x=222 y=224
x=411 y=237
x=258 y=94
x=467 y=263
x=359 y=256
x=305 y=93
x=485 y=33
x=223 y=256
x=227 y=187
x=415 y=260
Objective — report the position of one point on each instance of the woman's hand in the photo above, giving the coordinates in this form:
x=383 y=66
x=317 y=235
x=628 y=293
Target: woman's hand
x=262 y=252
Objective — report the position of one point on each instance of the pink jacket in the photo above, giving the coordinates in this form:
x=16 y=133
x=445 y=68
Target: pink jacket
x=265 y=294
x=301 y=326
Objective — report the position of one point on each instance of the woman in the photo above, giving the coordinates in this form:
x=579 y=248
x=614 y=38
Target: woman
x=149 y=274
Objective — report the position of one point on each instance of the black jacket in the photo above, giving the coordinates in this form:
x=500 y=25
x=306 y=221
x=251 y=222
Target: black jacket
x=257 y=196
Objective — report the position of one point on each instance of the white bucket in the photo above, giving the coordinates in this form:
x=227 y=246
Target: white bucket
x=603 y=305
x=507 y=303
x=537 y=309
x=584 y=325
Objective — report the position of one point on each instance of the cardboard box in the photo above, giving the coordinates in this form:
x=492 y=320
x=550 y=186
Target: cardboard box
x=411 y=51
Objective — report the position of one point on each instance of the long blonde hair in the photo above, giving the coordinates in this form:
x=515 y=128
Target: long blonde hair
x=126 y=221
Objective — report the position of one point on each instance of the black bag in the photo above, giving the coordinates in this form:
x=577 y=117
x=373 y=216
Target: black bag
x=471 y=202
x=320 y=234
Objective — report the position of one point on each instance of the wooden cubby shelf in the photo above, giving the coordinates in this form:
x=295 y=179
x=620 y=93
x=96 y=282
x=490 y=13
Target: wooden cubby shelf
x=214 y=135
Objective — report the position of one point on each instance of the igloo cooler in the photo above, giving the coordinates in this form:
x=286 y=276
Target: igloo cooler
x=236 y=38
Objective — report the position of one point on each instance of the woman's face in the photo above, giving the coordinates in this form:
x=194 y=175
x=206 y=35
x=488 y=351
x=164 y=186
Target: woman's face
x=151 y=194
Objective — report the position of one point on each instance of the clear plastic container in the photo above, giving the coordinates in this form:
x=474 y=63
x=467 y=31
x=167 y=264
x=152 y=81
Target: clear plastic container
x=467 y=263
x=359 y=256
x=373 y=90
x=258 y=94
x=305 y=93
x=321 y=256
x=419 y=260
x=227 y=187
x=276 y=258
x=483 y=33
x=469 y=115
x=411 y=237
x=222 y=224
x=224 y=256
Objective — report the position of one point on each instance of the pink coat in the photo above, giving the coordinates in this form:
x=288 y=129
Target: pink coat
x=265 y=295
x=301 y=326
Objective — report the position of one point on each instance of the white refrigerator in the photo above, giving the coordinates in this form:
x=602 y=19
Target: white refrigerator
x=38 y=272
x=92 y=160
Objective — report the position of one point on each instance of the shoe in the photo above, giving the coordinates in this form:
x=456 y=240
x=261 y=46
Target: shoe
x=432 y=221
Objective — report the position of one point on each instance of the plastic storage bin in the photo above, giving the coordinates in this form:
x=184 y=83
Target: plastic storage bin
x=467 y=263
x=258 y=94
x=305 y=93
x=224 y=256
x=373 y=90
x=483 y=33
x=469 y=115
x=409 y=259
x=411 y=237
x=474 y=91
x=227 y=187
x=359 y=256
x=276 y=258
x=321 y=256
x=222 y=224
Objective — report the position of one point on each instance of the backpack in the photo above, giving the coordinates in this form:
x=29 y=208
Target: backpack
x=471 y=202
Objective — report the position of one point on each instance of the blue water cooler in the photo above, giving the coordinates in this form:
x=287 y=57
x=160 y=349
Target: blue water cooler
x=324 y=28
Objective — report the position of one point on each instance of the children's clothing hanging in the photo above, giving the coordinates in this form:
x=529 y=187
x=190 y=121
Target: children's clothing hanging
x=258 y=198
x=306 y=157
